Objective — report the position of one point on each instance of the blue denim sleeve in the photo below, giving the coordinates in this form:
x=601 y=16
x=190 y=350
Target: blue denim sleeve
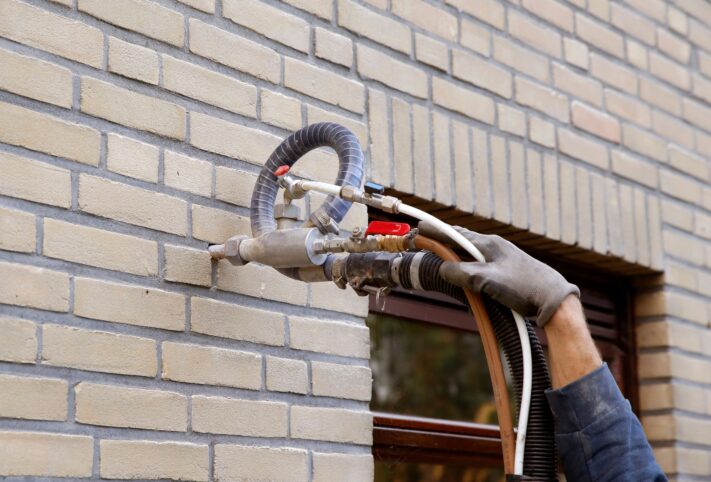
x=599 y=437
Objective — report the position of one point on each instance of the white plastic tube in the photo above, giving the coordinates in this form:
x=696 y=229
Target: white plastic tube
x=458 y=238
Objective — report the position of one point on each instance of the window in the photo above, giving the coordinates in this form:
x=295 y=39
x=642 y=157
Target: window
x=435 y=418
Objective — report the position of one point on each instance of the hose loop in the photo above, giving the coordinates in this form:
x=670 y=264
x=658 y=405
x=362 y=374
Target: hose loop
x=350 y=171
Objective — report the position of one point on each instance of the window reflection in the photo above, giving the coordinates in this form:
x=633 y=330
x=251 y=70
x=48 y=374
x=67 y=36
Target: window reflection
x=420 y=472
x=430 y=371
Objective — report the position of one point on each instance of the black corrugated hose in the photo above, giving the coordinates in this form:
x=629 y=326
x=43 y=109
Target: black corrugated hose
x=540 y=457
x=350 y=171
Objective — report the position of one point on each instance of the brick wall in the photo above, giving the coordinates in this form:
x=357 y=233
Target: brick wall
x=131 y=132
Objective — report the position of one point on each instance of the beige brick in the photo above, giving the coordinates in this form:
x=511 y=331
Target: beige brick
x=215 y=225
x=236 y=322
x=599 y=217
x=635 y=169
x=206 y=365
x=531 y=33
x=261 y=282
x=677 y=20
x=271 y=22
x=98 y=351
x=636 y=25
x=51 y=135
x=576 y=53
x=580 y=86
x=280 y=110
x=684 y=247
x=511 y=120
x=316 y=114
x=481 y=73
x=130 y=304
x=698 y=33
x=600 y=8
x=329 y=337
x=321 y=8
x=583 y=206
x=340 y=381
x=142 y=16
x=133 y=61
x=131 y=109
x=482 y=183
x=541 y=132
x=34 y=287
x=287 y=375
x=17 y=230
x=328 y=296
x=331 y=466
x=521 y=59
x=229 y=139
x=422 y=151
x=402 y=140
x=465 y=101
x=628 y=108
x=669 y=71
x=331 y=425
x=46 y=454
x=652 y=8
x=35 y=181
x=378 y=127
x=122 y=406
x=644 y=143
x=428 y=17
x=681 y=187
x=235 y=462
x=186 y=265
x=704 y=63
x=368 y=23
x=324 y=85
x=614 y=218
x=613 y=74
x=239 y=417
x=551 y=11
x=595 y=33
x=210 y=87
x=475 y=37
x=50 y=82
x=637 y=54
x=33 y=398
x=132 y=158
x=463 y=169
x=132 y=205
x=595 y=122
x=139 y=459
x=66 y=3
x=678 y=215
x=689 y=162
x=431 y=52
x=234 y=186
x=660 y=96
x=203 y=5
x=541 y=98
x=333 y=47
x=19 y=341
x=114 y=251
x=376 y=65
x=697 y=113
x=56 y=34
x=187 y=173
x=702 y=87
x=673 y=129
x=673 y=46
x=489 y=11
x=233 y=51
x=578 y=147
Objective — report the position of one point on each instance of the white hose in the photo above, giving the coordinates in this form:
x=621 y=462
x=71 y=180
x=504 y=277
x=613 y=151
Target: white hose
x=467 y=245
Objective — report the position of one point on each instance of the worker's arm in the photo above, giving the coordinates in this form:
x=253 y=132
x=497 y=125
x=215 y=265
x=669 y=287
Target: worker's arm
x=598 y=436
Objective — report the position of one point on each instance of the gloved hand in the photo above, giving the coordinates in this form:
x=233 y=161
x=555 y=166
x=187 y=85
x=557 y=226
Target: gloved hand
x=511 y=277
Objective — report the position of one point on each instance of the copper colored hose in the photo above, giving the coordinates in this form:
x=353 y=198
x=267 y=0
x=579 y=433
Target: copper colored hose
x=491 y=350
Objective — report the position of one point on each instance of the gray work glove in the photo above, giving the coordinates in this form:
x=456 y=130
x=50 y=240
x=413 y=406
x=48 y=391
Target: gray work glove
x=511 y=277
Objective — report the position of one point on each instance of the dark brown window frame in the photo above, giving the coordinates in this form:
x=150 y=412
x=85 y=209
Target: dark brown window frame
x=417 y=439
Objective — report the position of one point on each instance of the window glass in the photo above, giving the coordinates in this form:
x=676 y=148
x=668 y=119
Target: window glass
x=423 y=472
x=429 y=371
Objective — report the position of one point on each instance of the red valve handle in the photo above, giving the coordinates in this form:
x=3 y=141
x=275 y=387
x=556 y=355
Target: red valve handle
x=387 y=228
x=281 y=170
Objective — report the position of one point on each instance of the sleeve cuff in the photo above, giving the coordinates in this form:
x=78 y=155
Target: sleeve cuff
x=582 y=402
